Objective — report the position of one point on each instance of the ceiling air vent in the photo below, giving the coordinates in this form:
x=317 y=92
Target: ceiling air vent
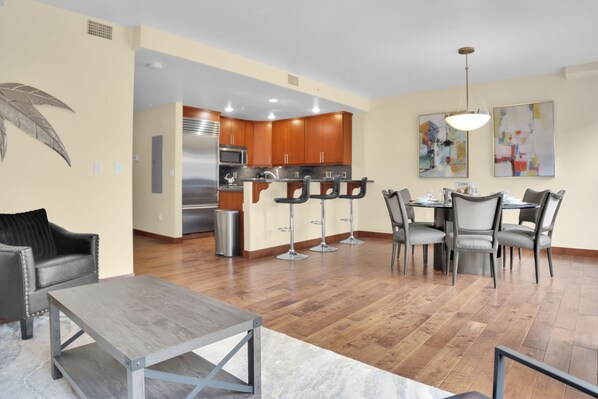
x=293 y=80
x=100 y=30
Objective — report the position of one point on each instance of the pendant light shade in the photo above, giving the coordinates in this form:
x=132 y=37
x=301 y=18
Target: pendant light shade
x=467 y=120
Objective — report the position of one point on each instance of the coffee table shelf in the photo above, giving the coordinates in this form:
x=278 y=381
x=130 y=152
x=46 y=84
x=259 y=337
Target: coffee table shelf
x=93 y=373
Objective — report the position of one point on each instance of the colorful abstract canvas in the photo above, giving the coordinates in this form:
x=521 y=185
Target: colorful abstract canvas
x=524 y=140
x=443 y=150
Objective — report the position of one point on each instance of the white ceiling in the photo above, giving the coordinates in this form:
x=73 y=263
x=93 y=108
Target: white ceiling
x=369 y=48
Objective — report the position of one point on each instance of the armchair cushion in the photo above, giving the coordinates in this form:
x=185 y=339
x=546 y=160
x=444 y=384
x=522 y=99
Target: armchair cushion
x=28 y=229
x=58 y=269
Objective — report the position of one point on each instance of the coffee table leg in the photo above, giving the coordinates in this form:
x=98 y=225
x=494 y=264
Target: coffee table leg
x=254 y=357
x=136 y=384
x=55 y=350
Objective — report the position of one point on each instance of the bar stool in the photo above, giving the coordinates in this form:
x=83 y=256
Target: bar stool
x=323 y=247
x=362 y=189
x=292 y=254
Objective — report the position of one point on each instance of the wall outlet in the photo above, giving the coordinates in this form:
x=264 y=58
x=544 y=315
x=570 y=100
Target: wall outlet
x=297 y=174
x=97 y=168
x=235 y=175
x=135 y=158
x=328 y=173
x=160 y=217
x=344 y=175
x=118 y=168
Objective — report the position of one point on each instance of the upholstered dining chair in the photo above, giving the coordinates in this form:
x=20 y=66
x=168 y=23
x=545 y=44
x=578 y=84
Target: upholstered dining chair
x=475 y=227
x=529 y=216
x=36 y=257
x=406 y=195
x=406 y=232
x=541 y=237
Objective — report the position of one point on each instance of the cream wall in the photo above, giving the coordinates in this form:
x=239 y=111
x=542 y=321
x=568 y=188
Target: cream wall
x=386 y=149
x=47 y=48
x=158 y=213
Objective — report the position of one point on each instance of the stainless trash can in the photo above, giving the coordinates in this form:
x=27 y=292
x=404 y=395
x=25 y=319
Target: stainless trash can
x=226 y=230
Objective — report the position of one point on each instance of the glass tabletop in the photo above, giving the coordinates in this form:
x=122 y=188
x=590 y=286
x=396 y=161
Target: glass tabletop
x=441 y=204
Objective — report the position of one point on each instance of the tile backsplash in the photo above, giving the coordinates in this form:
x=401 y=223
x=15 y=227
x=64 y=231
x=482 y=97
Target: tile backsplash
x=287 y=172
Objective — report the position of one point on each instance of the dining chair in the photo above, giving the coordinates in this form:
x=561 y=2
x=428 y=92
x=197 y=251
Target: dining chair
x=541 y=237
x=406 y=232
x=411 y=216
x=526 y=216
x=475 y=228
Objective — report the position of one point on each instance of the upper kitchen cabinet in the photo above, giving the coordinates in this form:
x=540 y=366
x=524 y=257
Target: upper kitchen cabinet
x=328 y=139
x=288 y=142
x=259 y=143
x=232 y=131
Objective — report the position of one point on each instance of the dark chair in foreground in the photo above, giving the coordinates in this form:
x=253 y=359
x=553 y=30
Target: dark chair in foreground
x=498 y=385
x=475 y=227
x=291 y=254
x=539 y=238
x=36 y=257
x=406 y=232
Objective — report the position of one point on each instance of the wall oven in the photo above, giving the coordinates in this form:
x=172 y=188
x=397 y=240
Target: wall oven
x=233 y=155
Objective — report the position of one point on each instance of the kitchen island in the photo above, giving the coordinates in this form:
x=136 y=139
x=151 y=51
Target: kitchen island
x=263 y=217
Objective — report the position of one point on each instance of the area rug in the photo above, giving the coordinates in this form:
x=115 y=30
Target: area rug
x=290 y=368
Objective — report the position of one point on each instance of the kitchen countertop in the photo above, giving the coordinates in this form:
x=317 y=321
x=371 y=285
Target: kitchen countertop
x=297 y=180
x=232 y=187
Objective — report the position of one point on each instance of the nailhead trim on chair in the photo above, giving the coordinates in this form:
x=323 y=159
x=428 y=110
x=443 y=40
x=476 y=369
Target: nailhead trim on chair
x=25 y=282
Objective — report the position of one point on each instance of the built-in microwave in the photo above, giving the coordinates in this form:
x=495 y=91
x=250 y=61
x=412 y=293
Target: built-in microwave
x=233 y=155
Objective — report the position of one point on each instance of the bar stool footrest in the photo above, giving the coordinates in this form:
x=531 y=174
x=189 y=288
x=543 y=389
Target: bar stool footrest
x=318 y=222
x=284 y=229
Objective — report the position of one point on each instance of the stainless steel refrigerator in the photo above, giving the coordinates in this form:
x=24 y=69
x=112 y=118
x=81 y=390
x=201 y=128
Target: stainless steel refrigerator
x=200 y=174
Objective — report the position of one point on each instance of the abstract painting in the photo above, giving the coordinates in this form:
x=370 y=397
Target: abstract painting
x=524 y=140
x=443 y=149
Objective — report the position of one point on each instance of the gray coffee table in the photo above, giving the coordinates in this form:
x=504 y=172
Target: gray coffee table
x=145 y=330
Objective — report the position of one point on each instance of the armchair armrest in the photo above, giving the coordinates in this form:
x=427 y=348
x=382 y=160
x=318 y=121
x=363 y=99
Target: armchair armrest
x=499 y=372
x=17 y=280
x=79 y=243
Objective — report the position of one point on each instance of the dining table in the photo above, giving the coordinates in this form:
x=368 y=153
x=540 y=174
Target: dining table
x=469 y=263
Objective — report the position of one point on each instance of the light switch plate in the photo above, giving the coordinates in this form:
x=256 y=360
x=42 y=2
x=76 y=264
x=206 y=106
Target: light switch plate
x=97 y=168
x=118 y=168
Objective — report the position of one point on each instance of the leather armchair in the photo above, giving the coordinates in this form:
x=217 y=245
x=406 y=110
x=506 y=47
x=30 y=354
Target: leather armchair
x=27 y=275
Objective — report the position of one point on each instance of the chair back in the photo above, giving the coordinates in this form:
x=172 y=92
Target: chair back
x=537 y=197
x=305 y=189
x=406 y=196
x=396 y=210
x=476 y=215
x=549 y=211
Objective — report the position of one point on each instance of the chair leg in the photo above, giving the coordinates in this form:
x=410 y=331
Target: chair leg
x=493 y=267
x=398 y=253
x=406 y=260
x=27 y=328
x=511 y=255
x=549 y=250
x=537 y=263
x=455 y=265
x=519 y=250
x=504 y=256
x=447 y=261
x=425 y=254
x=392 y=255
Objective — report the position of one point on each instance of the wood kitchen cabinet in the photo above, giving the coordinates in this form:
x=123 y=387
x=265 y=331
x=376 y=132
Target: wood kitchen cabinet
x=259 y=143
x=328 y=139
x=288 y=142
x=232 y=131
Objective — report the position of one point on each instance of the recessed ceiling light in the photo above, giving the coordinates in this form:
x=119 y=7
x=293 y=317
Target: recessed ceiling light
x=155 y=66
x=315 y=110
x=229 y=109
x=273 y=100
x=271 y=116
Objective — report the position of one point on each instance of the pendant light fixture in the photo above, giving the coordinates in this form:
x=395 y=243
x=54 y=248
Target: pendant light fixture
x=467 y=120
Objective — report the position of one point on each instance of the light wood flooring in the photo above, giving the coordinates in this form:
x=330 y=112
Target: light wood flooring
x=418 y=325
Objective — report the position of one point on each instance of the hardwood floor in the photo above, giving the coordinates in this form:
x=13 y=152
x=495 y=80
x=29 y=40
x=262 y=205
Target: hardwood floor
x=418 y=325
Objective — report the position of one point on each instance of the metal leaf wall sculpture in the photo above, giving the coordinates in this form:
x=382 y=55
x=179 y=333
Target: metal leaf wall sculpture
x=17 y=105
